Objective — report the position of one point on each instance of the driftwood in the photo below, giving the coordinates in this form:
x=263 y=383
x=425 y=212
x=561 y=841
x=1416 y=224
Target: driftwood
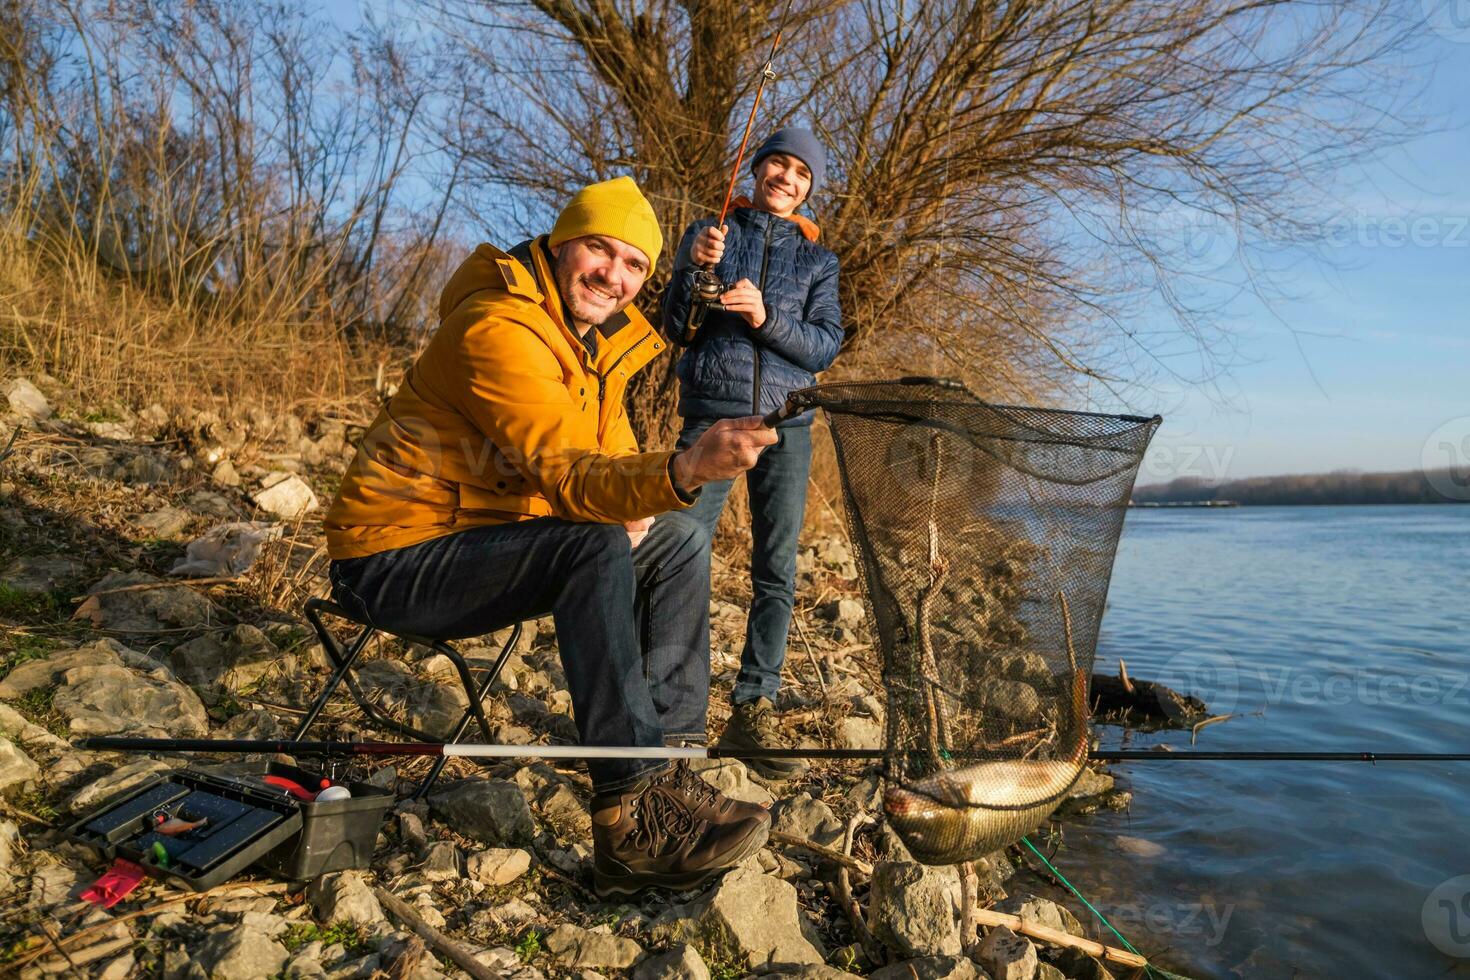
x=435 y=939
x=73 y=960
x=1057 y=937
x=70 y=941
x=842 y=892
x=835 y=856
x=1126 y=700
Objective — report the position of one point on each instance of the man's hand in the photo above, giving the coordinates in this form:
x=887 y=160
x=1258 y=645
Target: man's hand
x=638 y=530
x=709 y=246
x=725 y=450
x=745 y=299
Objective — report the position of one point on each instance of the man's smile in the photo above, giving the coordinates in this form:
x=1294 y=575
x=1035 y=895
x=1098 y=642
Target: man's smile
x=599 y=292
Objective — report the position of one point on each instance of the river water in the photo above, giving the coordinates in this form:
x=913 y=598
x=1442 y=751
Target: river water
x=1321 y=628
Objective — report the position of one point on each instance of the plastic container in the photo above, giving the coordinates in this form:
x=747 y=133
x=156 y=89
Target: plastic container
x=244 y=825
x=335 y=835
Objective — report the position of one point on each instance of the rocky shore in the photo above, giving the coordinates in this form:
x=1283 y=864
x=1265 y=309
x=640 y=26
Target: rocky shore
x=152 y=572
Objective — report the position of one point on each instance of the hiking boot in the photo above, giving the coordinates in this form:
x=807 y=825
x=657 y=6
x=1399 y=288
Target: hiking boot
x=753 y=726
x=651 y=835
x=707 y=802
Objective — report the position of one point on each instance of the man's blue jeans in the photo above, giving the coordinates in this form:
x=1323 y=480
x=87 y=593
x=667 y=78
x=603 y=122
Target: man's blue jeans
x=632 y=626
x=777 y=486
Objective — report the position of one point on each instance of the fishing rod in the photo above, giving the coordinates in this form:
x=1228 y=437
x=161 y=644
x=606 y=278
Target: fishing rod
x=471 y=750
x=708 y=287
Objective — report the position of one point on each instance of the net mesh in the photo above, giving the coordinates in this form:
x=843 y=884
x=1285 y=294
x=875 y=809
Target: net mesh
x=986 y=536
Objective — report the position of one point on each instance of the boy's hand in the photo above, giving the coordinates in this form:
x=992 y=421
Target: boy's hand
x=724 y=451
x=709 y=246
x=745 y=299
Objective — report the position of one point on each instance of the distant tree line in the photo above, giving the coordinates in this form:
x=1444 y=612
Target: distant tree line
x=1341 y=487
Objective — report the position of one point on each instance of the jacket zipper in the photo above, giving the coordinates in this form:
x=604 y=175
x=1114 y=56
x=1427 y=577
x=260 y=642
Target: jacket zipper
x=755 y=350
x=602 y=377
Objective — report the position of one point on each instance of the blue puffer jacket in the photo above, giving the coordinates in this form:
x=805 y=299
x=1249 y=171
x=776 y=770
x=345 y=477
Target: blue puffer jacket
x=801 y=335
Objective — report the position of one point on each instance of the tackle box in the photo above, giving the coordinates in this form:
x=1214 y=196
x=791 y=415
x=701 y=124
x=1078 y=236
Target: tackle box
x=249 y=823
x=335 y=835
x=243 y=825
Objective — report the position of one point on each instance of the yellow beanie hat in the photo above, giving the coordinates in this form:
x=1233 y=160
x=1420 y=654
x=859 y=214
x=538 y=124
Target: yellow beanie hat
x=615 y=208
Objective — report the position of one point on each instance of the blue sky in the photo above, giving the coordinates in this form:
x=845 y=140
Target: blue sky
x=1365 y=366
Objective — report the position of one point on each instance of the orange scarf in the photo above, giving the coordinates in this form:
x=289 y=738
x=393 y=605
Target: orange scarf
x=809 y=229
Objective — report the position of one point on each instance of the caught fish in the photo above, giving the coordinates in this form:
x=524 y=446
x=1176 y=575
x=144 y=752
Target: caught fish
x=175 y=825
x=960 y=814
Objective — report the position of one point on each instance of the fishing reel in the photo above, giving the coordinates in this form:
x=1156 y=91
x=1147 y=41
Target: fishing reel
x=703 y=297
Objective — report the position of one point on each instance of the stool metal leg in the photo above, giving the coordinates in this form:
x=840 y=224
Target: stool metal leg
x=342 y=662
x=345 y=660
x=464 y=720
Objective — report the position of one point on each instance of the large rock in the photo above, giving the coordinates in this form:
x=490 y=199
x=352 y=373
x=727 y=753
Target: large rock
x=750 y=914
x=730 y=777
x=808 y=818
x=25 y=400
x=426 y=705
x=679 y=962
x=344 y=897
x=256 y=723
x=117 y=701
x=16 y=768
x=1076 y=964
x=566 y=813
x=41 y=573
x=285 y=495
x=152 y=610
x=915 y=908
x=575 y=947
x=843 y=612
x=166 y=522
x=855 y=732
x=234 y=953
x=929 y=968
x=51 y=671
x=492 y=811
x=219 y=662
x=30 y=736
x=1015 y=700
x=1007 y=956
x=115 y=783
x=498 y=865
x=9 y=846
x=1042 y=912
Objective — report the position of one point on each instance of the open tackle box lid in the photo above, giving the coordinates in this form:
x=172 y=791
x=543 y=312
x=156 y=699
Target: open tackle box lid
x=241 y=825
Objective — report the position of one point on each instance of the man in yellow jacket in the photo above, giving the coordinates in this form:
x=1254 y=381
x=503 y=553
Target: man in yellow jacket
x=503 y=482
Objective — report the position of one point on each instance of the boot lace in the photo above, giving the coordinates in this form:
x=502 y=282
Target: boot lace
x=762 y=721
x=683 y=779
x=662 y=819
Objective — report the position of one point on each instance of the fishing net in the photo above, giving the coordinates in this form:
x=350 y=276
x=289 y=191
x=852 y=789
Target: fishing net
x=986 y=536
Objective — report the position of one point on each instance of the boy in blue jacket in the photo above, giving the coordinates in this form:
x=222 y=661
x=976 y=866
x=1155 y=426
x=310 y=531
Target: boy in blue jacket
x=780 y=325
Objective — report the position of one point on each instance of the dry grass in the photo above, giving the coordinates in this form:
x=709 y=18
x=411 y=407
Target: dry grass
x=110 y=344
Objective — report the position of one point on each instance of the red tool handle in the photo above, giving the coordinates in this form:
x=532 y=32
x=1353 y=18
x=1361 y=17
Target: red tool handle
x=291 y=786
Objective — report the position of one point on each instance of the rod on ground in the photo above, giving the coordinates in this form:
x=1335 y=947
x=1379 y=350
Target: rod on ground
x=472 y=750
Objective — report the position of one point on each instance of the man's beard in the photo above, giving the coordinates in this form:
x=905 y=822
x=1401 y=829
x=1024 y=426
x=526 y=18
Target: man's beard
x=567 y=284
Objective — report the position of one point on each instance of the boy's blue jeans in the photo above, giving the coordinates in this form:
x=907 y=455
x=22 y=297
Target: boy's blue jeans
x=632 y=626
x=777 y=486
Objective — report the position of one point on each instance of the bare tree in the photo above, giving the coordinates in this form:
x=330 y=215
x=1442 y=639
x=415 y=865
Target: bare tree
x=1011 y=183
x=259 y=175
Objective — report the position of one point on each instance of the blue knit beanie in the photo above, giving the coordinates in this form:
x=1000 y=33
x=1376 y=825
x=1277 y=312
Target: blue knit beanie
x=801 y=144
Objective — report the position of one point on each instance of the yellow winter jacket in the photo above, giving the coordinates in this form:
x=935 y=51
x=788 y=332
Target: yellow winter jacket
x=504 y=417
